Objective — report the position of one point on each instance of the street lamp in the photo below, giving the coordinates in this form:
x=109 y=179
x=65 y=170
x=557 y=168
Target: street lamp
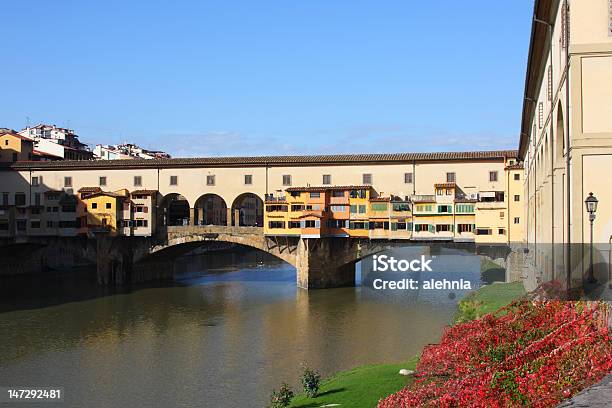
x=591 y=207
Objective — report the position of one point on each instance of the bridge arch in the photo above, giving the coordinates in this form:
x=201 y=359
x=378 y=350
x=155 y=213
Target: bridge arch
x=192 y=237
x=175 y=210
x=247 y=210
x=210 y=209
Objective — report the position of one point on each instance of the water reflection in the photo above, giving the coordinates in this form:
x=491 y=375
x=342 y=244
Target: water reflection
x=232 y=327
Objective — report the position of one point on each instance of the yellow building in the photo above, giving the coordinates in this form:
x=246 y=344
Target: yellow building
x=14 y=147
x=105 y=211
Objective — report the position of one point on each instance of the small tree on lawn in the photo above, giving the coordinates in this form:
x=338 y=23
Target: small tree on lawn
x=281 y=398
x=311 y=380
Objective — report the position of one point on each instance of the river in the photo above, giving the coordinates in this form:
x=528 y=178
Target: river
x=229 y=329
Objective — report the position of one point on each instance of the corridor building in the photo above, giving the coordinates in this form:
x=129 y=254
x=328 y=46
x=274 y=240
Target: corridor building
x=566 y=137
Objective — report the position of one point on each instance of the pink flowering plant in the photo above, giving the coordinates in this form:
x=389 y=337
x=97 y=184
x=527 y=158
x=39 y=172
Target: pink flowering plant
x=530 y=353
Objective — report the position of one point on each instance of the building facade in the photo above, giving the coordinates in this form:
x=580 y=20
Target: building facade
x=15 y=147
x=376 y=196
x=566 y=137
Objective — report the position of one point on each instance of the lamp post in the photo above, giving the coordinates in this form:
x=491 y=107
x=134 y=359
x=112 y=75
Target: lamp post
x=591 y=207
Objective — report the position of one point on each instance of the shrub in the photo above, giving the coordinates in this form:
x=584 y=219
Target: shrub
x=469 y=309
x=281 y=398
x=528 y=354
x=311 y=380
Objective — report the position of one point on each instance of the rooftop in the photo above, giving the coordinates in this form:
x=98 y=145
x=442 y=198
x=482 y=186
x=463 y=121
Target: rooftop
x=255 y=161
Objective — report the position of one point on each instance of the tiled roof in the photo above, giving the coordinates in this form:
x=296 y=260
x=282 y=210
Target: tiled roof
x=143 y=192
x=89 y=190
x=515 y=167
x=328 y=188
x=383 y=199
x=333 y=159
x=445 y=185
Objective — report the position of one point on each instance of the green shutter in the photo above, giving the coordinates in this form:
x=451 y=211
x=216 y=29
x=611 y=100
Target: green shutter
x=394 y=226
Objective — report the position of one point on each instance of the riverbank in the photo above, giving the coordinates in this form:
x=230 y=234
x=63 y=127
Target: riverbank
x=365 y=386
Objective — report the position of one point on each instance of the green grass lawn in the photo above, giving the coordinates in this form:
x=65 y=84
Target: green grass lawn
x=360 y=387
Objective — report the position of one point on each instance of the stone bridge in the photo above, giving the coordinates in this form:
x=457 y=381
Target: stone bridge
x=319 y=262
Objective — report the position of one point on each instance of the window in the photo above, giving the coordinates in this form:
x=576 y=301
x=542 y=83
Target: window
x=465 y=228
x=517 y=220
x=502 y=214
x=379 y=206
x=359 y=225
x=337 y=193
x=483 y=231
x=517 y=197
x=315 y=194
x=358 y=194
x=36 y=198
x=35 y=224
x=517 y=176
x=94 y=206
x=173 y=180
x=210 y=180
x=424 y=207
x=465 y=208
x=49 y=224
x=102 y=181
x=367 y=178
x=540 y=115
x=421 y=227
x=408 y=178
x=286 y=180
x=444 y=209
x=34 y=181
x=492 y=176
x=327 y=179
x=501 y=231
x=20 y=198
x=276 y=224
x=137 y=181
x=401 y=207
x=450 y=177
x=67 y=181
x=109 y=206
x=248 y=179
x=338 y=208
x=293 y=224
x=362 y=209
x=310 y=224
x=444 y=228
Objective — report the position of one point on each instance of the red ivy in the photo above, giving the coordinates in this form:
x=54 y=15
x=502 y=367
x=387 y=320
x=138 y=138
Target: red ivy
x=528 y=354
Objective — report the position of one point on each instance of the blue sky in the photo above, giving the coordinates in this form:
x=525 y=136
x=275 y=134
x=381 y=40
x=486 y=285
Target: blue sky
x=207 y=78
